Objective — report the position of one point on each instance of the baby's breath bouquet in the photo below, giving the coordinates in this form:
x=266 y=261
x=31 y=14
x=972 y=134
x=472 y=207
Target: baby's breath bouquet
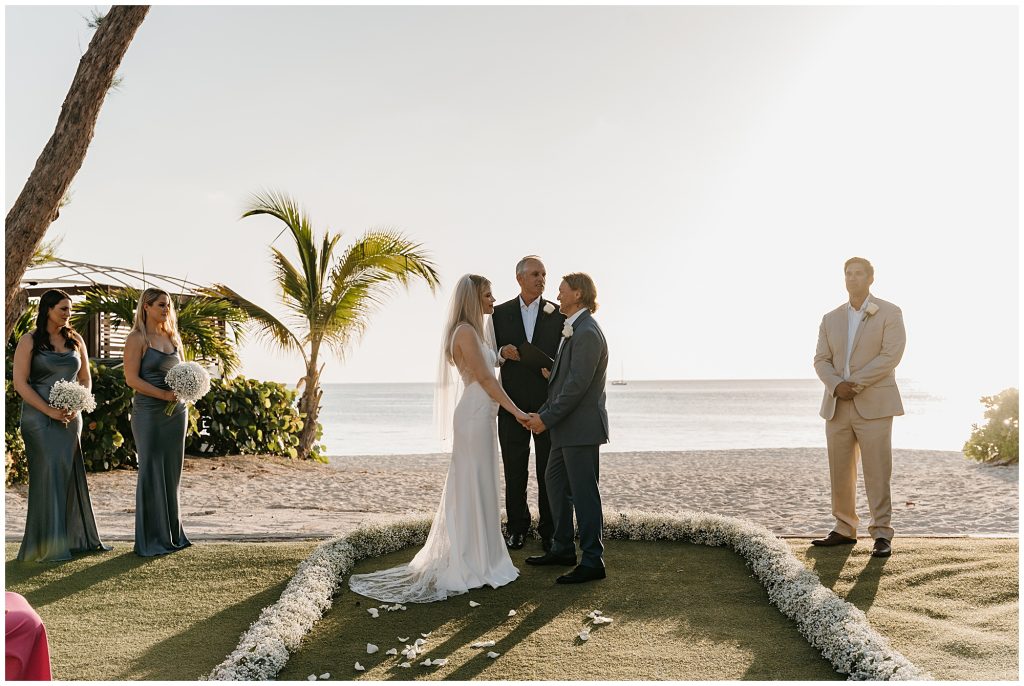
x=71 y=396
x=189 y=381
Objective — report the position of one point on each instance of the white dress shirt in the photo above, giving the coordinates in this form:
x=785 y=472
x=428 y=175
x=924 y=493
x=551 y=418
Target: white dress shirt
x=853 y=319
x=529 y=313
x=569 y=321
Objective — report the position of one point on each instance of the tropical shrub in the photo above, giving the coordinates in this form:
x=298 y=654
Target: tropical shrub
x=107 y=441
x=249 y=417
x=14 y=447
x=998 y=441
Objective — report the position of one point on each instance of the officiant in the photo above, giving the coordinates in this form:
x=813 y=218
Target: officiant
x=526 y=331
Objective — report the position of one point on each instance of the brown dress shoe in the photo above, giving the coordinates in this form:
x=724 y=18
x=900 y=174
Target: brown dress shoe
x=883 y=548
x=834 y=538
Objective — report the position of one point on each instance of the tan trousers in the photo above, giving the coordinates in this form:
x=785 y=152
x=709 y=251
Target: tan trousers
x=851 y=437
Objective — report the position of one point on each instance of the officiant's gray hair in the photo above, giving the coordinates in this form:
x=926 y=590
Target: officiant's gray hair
x=521 y=265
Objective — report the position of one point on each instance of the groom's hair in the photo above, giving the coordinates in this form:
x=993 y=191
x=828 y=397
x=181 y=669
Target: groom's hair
x=860 y=260
x=521 y=264
x=578 y=281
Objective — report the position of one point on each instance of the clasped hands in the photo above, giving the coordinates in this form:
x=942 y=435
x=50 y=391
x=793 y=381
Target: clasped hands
x=846 y=390
x=532 y=421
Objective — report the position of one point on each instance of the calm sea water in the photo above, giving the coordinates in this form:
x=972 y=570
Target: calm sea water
x=374 y=419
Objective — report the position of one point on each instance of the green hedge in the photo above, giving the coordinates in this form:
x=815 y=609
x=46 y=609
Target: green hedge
x=237 y=417
x=998 y=441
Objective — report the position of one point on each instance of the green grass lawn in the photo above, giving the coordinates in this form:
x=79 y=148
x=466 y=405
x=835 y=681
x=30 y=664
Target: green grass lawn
x=681 y=612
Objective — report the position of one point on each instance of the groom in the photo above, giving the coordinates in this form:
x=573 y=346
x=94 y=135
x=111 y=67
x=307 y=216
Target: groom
x=576 y=417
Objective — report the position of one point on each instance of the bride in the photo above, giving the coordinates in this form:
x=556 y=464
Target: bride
x=465 y=548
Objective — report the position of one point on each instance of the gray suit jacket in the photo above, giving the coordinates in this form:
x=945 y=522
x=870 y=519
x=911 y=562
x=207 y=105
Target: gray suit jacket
x=575 y=411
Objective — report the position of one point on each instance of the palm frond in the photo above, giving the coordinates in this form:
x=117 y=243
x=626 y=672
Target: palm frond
x=119 y=304
x=283 y=207
x=204 y=322
x=46 y=252
x=265 y=326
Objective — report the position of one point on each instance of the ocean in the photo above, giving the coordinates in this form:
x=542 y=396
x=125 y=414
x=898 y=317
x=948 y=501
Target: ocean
x=396 y=419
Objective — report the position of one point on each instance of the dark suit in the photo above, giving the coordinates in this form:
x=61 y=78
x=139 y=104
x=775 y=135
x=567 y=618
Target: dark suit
x=577 y=420
x=528 y=390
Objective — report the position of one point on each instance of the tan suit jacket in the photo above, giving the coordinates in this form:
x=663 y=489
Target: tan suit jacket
x=877 y=349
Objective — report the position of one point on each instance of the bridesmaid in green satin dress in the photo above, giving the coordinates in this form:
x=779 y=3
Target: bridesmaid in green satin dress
x=152 y=348
x=60 y=520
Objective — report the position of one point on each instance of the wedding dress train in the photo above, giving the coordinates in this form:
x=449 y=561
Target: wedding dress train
x=465 y=548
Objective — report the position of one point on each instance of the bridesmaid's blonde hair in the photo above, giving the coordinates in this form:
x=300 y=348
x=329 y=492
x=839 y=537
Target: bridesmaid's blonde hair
x=148 y=297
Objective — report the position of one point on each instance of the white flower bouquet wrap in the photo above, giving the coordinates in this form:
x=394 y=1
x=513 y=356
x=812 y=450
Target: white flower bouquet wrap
x=189 y=381
x=71 y=396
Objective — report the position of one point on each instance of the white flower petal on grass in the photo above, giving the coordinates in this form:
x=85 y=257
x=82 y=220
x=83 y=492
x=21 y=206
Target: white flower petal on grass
x=383 y=607
x=374 y=612
x=441 y=662
x=406 y=665
x=426 y=634
x=426 y=663
x=404 y=608
x=311 y=677
x=403 y=640
x=393 y=651
x=493 y=654
x=371 y=649
x=602 y=620
x=473 y=603
x=325 y=675
x=585 y=635
x=418 y=642
x=360 y=668
x=482 y=644
x=511 y=613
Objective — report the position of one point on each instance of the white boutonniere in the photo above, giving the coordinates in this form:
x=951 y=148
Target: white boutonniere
x=567 y=331
x=871 y=309
x=548 y=308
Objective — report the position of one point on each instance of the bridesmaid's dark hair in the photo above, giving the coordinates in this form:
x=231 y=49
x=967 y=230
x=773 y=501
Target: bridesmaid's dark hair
x=41 y=337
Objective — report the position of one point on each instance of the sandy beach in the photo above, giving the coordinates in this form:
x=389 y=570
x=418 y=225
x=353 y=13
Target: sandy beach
x=248 y=497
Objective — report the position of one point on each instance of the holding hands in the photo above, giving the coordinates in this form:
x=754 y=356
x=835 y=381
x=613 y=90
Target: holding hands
x=533 y=422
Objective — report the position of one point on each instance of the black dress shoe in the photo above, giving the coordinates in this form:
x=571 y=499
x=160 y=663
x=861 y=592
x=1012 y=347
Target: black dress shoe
x=581 y=574
x=834 y=539
x=546 y=543
x=552 y=559
x=516 y=541
x=883 y=548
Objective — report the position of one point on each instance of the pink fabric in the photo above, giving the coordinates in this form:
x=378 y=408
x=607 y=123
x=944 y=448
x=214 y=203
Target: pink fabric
x=27 y=651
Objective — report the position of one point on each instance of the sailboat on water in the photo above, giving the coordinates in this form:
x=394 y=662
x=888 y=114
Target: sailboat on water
x=621 y=381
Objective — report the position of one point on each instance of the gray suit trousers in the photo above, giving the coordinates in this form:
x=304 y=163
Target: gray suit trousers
x=572 y=480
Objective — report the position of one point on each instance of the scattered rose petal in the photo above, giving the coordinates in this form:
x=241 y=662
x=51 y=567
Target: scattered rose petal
x=383 y=607
x=311 y=677
x=374 y=612
x=511 y=613
x=406 y=665
x=602 y=620
x=403 y=640
x=493 y=654
x=473 y=603
x=482 y=644
x=418 y=642
x=425 y=663
x=360 y=668
x=404 y=608
x=393 y=651
x=441 y=662
x=325 y=675
x=371 y=649
x=426 y=634
x=584 y=635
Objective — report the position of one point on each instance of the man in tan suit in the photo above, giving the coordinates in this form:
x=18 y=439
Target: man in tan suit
x=859 y=345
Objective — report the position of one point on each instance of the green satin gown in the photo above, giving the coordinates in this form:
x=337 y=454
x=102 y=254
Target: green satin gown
x=60 y=520
x=160 y=442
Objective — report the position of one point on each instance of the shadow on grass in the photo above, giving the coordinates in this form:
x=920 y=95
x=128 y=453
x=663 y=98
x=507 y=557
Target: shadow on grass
x=681 y=611
x=204 y=644
x=76 y=581
x=829 y=564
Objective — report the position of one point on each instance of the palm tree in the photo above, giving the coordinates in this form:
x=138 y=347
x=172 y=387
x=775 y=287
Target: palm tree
x=199 y=319
x=329 y=298
x=39 y=202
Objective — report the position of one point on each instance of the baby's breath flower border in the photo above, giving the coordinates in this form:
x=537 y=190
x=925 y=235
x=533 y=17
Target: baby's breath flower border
x=833 y=626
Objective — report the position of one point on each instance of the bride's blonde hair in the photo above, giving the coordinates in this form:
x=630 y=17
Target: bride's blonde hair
x=466 y=308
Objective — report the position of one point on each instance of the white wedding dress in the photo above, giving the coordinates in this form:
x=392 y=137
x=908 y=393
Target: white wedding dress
x=465 y=548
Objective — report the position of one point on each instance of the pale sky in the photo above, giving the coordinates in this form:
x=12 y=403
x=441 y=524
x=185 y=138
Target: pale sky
x=710 y=167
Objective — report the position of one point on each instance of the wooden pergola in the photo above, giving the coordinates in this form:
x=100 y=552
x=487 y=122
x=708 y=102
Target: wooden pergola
x=104 y=340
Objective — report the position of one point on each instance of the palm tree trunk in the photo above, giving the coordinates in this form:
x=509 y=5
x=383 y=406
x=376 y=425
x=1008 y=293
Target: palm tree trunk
x=309 y=407
x=37 y=205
